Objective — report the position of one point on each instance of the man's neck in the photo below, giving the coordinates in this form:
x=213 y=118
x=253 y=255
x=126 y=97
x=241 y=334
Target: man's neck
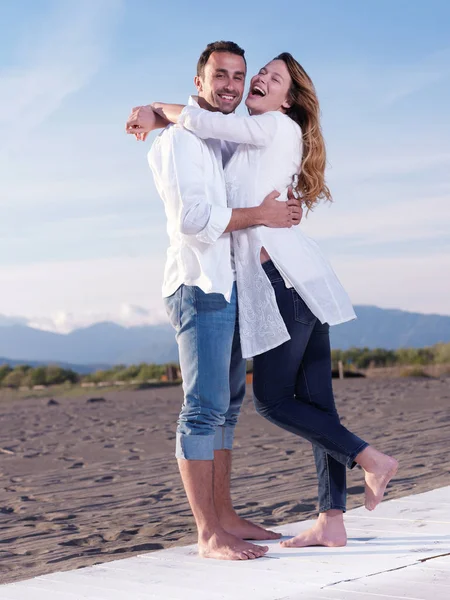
x=206 y=105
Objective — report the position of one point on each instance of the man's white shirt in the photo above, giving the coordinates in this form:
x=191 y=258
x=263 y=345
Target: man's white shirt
x=188 y=174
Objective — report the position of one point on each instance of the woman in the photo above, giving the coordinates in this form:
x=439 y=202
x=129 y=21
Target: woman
x=288 y=293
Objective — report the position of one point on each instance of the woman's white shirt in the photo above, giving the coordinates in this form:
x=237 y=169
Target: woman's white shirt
x=267 y=158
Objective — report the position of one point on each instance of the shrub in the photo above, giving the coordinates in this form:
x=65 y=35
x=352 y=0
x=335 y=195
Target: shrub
x=4 y=371
x=414 y=372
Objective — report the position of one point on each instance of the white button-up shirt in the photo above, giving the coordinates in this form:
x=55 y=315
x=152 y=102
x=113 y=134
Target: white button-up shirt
x=188 y=174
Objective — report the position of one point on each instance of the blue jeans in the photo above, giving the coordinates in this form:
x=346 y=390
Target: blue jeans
x=212 y=367
x=293 y=389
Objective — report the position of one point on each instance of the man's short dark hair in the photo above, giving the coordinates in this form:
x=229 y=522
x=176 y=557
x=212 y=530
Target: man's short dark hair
x=230 y=47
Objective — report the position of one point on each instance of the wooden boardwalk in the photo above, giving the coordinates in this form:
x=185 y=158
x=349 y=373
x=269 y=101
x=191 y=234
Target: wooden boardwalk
x=401 y=550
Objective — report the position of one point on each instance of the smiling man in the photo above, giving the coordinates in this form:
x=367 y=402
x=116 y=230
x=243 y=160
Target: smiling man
x=200 y=296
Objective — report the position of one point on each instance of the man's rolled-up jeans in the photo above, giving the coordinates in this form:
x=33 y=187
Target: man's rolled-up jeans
x=212 y=368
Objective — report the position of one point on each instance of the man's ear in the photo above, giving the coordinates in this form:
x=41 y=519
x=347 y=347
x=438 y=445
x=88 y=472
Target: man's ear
x=198 y=83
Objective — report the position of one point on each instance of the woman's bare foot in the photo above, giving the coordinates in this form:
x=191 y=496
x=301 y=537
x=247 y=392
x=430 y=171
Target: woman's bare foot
x=328 y=530
x=379 y=469
x=224 y=546
x=246 y=530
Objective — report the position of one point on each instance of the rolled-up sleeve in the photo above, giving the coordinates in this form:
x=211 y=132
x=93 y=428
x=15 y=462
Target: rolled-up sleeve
x=197 y=216
x=257 y=131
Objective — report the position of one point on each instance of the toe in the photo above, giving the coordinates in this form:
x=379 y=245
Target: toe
x=259 y=549
x=273 y=535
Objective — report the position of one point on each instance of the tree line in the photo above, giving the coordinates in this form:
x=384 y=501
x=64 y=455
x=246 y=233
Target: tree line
x=29 y=377
x=354 y=358
x=363 y=358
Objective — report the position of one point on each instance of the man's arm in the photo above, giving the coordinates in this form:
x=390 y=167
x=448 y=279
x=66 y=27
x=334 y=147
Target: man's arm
x=206 y=221
x=270 y=213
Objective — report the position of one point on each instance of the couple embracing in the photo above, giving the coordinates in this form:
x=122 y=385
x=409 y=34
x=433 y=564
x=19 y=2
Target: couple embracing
x=243 y=281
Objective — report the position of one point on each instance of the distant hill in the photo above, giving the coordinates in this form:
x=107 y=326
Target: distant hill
x=391 y=329
x=102 y=343
x=109 y=343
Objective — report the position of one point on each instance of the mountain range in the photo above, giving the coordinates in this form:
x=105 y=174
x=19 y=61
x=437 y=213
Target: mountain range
x=107 y=343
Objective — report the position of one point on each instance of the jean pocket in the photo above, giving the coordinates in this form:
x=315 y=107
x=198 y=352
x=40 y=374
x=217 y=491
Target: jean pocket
x=209 y=302
x=173 y=308
x=302 y=313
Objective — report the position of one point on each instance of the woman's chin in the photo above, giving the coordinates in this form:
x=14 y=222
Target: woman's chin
x=254 y=105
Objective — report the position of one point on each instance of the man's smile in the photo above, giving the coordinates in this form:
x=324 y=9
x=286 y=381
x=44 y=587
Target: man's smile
x=227 y=97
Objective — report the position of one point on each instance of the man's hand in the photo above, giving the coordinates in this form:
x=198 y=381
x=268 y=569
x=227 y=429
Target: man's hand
x=280 y=214
x=141 y=121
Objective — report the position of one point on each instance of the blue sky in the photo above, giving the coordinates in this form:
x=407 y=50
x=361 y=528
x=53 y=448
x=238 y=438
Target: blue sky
x=82 y=233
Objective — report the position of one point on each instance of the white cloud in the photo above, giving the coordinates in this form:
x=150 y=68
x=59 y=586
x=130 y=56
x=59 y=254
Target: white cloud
x=407 y=220
x=128 y=291
x=415 y=283
x=65 y=50
x=411 y=79
x=67 y=295
x=387 y=162
x=127 y=315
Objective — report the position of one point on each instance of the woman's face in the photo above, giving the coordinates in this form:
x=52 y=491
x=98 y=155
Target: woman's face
x=269 y=89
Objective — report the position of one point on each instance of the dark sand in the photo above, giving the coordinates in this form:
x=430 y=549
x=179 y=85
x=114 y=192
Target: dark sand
x=89 y=482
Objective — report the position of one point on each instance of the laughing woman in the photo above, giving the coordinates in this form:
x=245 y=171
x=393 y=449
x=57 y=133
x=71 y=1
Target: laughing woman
x=288 y=293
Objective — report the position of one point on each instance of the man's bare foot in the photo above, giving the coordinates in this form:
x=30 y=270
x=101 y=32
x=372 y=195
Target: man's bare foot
x=328 y=530
x=246 y=530
x=224 y=546
x=379 y=469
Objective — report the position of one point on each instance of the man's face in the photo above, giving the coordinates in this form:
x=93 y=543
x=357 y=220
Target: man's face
x=222 y=83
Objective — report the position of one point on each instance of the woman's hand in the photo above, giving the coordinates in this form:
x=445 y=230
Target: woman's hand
x=141 y=121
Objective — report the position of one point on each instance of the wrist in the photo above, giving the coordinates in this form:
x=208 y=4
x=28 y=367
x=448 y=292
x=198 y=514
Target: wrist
x=258 y=215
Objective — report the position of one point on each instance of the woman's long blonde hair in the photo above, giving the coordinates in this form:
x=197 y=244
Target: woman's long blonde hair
x=305 y=112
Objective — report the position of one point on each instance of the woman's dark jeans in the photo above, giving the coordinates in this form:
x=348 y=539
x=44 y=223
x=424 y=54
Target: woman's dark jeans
x=293 y=388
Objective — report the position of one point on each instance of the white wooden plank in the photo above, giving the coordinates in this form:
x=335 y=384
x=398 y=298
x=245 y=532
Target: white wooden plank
x=402 y=511
x=349 y=594
x=439 y=496
x=396 y=536
x=437 y=564
x=420 y=575
x=286 y=579
x=240 y=583
x=136 y=577
x=36 y=592
x=408 y=583
x=95 y=586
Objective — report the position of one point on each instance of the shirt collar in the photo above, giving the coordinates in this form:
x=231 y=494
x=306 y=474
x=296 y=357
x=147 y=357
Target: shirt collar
x=193 y=101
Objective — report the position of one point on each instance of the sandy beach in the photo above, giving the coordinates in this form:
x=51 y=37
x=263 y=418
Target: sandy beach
x=86 y=481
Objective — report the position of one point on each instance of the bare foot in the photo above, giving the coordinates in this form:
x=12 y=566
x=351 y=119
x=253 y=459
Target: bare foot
x=224 y=546
x=246 y=530
x=379 y=469
x=326 y=531
x=377 y=481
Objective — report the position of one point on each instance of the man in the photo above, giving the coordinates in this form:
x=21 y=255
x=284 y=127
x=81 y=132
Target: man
x=200 y=297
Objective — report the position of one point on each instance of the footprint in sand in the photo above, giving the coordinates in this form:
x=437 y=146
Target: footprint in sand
x=356 y=489
x=7 y=510
x=105 y=478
